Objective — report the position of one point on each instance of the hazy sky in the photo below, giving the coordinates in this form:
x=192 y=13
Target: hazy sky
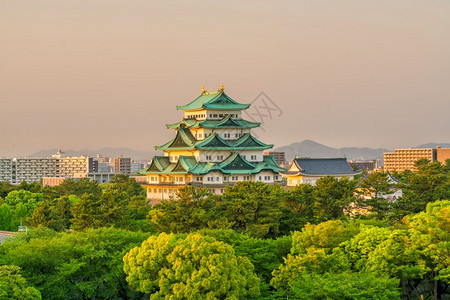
x=90 y=74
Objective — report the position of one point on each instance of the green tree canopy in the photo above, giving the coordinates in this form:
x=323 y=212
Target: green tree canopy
x=195 y=267
x=76 y=265
x=346 y=286
x=22 y=197
x=6 y=218
x=193 y=209
x=14 y=286
x=253 y=208
x=332 y=198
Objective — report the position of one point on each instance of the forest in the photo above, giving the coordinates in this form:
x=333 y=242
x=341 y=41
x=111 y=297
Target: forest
x=339 y=239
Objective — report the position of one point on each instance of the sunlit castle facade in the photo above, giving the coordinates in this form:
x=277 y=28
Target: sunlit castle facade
x=213 y=147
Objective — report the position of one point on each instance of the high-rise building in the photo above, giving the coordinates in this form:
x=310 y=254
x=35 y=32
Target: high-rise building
x=32 y=169
x=442 y=154
x=79 y=166
x=5 y=169
x=404 y=159
x=136 y=166
x=213 y=147
x=122 y=165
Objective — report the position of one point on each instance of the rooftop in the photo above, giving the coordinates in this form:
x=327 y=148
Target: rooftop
x=322 y=166
x=213 y=100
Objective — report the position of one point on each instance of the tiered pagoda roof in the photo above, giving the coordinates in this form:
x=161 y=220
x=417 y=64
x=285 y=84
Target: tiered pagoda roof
x=226 y=122
x=213 y=100
x=233 y=164
x=184 y=140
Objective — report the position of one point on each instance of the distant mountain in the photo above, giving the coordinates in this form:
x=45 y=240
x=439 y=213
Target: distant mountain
x=309 y=148
x=108 y=152
x=434 y=145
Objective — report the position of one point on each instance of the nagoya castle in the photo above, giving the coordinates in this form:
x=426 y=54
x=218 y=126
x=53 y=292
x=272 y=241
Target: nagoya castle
x=213 y=147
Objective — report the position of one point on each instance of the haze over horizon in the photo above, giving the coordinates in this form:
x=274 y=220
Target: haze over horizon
x=93 y=74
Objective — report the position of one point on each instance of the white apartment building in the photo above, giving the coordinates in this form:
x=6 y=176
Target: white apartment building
x=32 y=169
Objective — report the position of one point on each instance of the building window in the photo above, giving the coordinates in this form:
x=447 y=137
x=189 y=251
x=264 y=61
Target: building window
x=208 y=157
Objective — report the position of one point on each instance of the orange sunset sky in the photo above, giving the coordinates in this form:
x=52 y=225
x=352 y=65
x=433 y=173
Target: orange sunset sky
x=107 y=73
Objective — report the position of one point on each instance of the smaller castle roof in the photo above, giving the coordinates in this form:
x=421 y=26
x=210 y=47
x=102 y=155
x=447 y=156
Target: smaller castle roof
x=320 y=166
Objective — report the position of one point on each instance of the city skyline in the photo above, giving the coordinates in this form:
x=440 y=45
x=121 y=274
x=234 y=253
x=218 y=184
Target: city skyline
x=78 y=75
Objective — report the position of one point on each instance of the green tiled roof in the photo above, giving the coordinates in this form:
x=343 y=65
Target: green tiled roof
x=233 y=164
x=226 y=122
x=213 y=100
x=184 y=140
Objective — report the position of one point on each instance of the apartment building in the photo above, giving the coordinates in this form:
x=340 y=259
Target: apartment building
x=5 y=169
x=32 y=169
x=442 y=154
x=404 y=159
x=122 y=165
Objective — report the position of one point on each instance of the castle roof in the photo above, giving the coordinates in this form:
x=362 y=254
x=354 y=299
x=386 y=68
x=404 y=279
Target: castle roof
x=213 y=100
x=320 y=166
x=233 y=164
x=184 y=140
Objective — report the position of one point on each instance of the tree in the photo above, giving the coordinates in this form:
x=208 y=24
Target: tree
x=346 y=285
x=361 y=245
x=374 y=187
x=430 y=182
x=193 y=209
x=332 y=198
x=126 y=184
x=265 y=254
x=71 y=187
x=55 y=214
x=195 y=267
x=22 y=197
x=14 y=286
x=430 y=244
x=326 y=235
x=87 y=212
x=314 y=250
x=298 y=208
x=253 y=208
x=6 y=217
x=75 y=265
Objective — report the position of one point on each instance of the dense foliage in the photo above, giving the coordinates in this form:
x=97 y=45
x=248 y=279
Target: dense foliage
x=339 y=239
